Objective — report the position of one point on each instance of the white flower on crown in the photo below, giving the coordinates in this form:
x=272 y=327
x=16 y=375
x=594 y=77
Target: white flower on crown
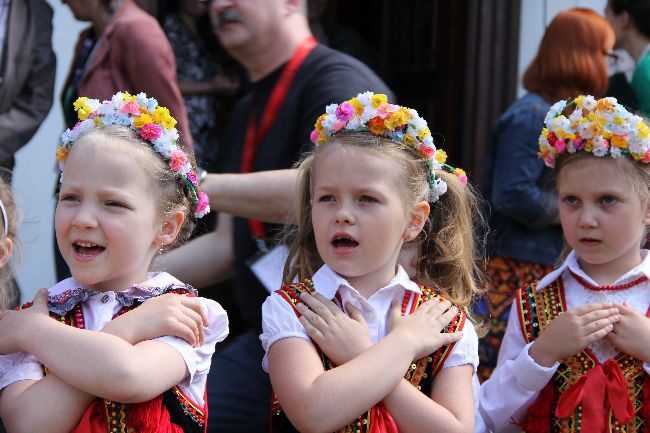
x=589 y=102
x=331 y=109
x=554 y=111
x=575 y=116
x=329 y=121
x=355 y=123
x=365 y=98
x=615 y=152
x=368 y=113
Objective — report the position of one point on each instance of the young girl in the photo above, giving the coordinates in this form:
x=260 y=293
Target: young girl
x=576 y=350
x=9 y=295
x=375 y=182
x=127 y=192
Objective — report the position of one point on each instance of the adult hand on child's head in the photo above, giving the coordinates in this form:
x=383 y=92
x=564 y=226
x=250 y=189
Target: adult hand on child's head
x=339 y=336
x=572 y=331
x=631 y=334
x=169 y=314
x=421 y=330
x=11 y=322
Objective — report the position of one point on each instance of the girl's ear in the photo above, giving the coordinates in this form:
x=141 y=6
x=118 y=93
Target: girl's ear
x=171 y=226
x=419 y=216
x=6 y=248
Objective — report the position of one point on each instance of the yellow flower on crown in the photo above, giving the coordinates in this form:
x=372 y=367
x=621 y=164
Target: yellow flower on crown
x=62 y=154
x=358 y=106
x=395 y=120
x=441 y=156
x=79 y=103
x=378 y=100
x=142 y=120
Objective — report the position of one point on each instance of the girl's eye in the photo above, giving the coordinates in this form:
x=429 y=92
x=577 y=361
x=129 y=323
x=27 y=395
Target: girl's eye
x=368 y=199
x=68 y=197
x=116 y=204
x=608 y=200
x=327 y=197
x=571 y=200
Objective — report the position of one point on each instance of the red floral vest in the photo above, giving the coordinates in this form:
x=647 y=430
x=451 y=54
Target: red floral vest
x=584 y=395
x=420 y=374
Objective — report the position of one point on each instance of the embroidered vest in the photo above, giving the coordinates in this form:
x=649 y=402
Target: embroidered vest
x=583 y=395
x=170 y=412
x=420 y=374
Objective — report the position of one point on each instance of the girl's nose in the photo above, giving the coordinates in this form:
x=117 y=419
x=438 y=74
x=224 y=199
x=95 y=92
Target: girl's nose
x=587 y=218
x=84 y=218
x=344 y=216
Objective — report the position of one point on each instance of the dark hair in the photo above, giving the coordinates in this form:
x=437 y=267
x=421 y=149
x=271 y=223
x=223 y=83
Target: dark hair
x=447 y=257
x=570 y=60
x=639 y=11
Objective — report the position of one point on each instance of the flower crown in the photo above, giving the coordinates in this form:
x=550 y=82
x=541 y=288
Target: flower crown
x=151 y=121
x=602 y=127
x=370 y=112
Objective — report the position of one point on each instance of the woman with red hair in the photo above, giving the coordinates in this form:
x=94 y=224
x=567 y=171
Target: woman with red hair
x=526 y=239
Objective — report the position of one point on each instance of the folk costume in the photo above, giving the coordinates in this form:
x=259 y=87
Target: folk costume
x=598 y=390
x=280 y=320
x=180 y=409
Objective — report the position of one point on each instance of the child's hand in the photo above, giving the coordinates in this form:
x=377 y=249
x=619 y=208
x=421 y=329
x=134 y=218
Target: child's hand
x=572 y=331
x=169 y=314
x=421 y=330
x=631 y=334
x=13 y=321
x=340 y=337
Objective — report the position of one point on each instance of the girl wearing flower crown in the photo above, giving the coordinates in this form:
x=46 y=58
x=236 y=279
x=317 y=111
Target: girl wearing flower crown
x=374 y=184
x=9 y=296
x=576 y=351
x=127 y=192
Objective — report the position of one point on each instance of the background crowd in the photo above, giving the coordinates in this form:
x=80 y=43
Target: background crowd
x=247 y=79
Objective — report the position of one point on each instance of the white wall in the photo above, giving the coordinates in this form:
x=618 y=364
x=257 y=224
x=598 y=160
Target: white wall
x=34 y=175
x=535 y=16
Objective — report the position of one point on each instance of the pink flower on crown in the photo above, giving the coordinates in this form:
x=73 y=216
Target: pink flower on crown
x=314 y=136
x=178 y=160
x=344 y=112
x=131 y=107
x=428 y=151
x=203 y=205
x=150 y=131
x=560 y=146
x=579 y=143
x=386 y=109
x=338 y=125
x=191 y=176
x=461 y=176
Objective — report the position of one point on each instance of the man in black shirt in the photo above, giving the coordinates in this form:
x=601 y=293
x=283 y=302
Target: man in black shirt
x=293 y=79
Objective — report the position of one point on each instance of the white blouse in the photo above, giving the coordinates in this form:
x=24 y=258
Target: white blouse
x=520 y=375
x=279 y=319
x=99 y=309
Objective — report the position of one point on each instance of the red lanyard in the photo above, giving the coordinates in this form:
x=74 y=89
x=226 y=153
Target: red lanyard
x=255 y=135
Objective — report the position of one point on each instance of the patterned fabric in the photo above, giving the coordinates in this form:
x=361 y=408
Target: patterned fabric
x=506 y=275
x=63 y=303
x=420 y=374
x=566 y=402
x=195 y=64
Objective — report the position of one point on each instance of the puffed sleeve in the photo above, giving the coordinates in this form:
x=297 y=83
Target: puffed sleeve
x=514 y=384
x=465 y=350
x=198 y=359
x=279 y=321
x=19 y=366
